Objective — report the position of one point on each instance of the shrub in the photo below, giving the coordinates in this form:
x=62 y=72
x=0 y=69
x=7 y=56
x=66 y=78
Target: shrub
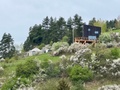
x=8 y=85
x=51 y=42
x=76 y=47
x=115 y=53
x=79 y=73
x=41 y=45
x=105 y=37
x=44 y=64
x=27 y=69
x=1 y=71
x=51 y=69
x=78 y=85
x=65 y=39
x=50 y=84
x=57 y=45
x=102 y=55
x=63 y=85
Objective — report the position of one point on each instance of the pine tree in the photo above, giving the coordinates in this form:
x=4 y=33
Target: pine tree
x=78 y=25
x=69 y=31
x=91 y=22
x=7 y=48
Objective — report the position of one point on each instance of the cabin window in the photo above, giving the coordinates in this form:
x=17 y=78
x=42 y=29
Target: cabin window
x=96 y=32
x=91 y=37
x=88 y=29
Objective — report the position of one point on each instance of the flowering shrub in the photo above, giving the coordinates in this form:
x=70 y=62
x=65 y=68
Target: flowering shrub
x=115 y=36
x=1 y=70
x=105 y=37
x=110 y=87
x=59 y=51
x=75 y=47
x=108 y=68
x=59 y=48
x=57 y=45
x=80 y=57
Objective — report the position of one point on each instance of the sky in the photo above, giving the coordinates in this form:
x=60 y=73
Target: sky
x=16 y=16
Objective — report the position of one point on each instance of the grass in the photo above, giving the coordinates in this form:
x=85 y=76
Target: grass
x=95 y=84
x=11 y=65
x=116 y=30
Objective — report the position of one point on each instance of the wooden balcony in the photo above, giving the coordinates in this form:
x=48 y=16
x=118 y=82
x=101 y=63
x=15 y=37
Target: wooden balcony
x=84 y=40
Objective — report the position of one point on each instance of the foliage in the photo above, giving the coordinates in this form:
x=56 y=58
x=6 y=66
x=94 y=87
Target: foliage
x=65 y=39
x=51 y=42
x=41 y=45
x=57 y=45
x=101 y=24
x=115 y=52
x=78 y=25
x=76 y=47
x=111 y=87
x=91 y=22
x=7 y=48
x=63 y=85
x=53 y=29
x=27 y=69
x=80 y=73
x=50 y=84
x=8 y=85
x=78 y=85
x=51 y=69
x=1 y=70
x=102 y=55
x=105 y=37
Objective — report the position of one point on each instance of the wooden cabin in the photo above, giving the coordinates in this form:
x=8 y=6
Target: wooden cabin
x=90 y=34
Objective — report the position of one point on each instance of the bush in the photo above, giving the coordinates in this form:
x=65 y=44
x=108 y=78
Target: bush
x=115 y=53
x=51 y=42
x=105 y=37
x=41 y=45
x=9 y=84
x=102 y=55
x=27 y=69
x=57 y=45
x=63 y=85
x=1 y=71
x=65 y=39
x=51 y=69
x=50 y=84
x=78 y=85
x=79 y=73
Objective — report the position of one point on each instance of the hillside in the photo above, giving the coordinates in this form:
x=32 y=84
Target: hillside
x=75 y=67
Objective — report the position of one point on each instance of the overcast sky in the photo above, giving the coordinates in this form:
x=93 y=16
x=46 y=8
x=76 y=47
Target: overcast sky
x=16 y=16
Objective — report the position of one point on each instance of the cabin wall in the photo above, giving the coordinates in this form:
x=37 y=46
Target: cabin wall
x=91 y=32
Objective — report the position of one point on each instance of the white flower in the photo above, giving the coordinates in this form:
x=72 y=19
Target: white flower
x=1 y=69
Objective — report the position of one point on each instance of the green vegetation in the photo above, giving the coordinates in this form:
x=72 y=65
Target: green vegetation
x=7 y=48
x=27 y=69
x=79 y=73
x=63 y=85
x=68 y=66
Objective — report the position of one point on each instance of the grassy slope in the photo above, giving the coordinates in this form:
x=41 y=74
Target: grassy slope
x=116 y=30
x=11 y=66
